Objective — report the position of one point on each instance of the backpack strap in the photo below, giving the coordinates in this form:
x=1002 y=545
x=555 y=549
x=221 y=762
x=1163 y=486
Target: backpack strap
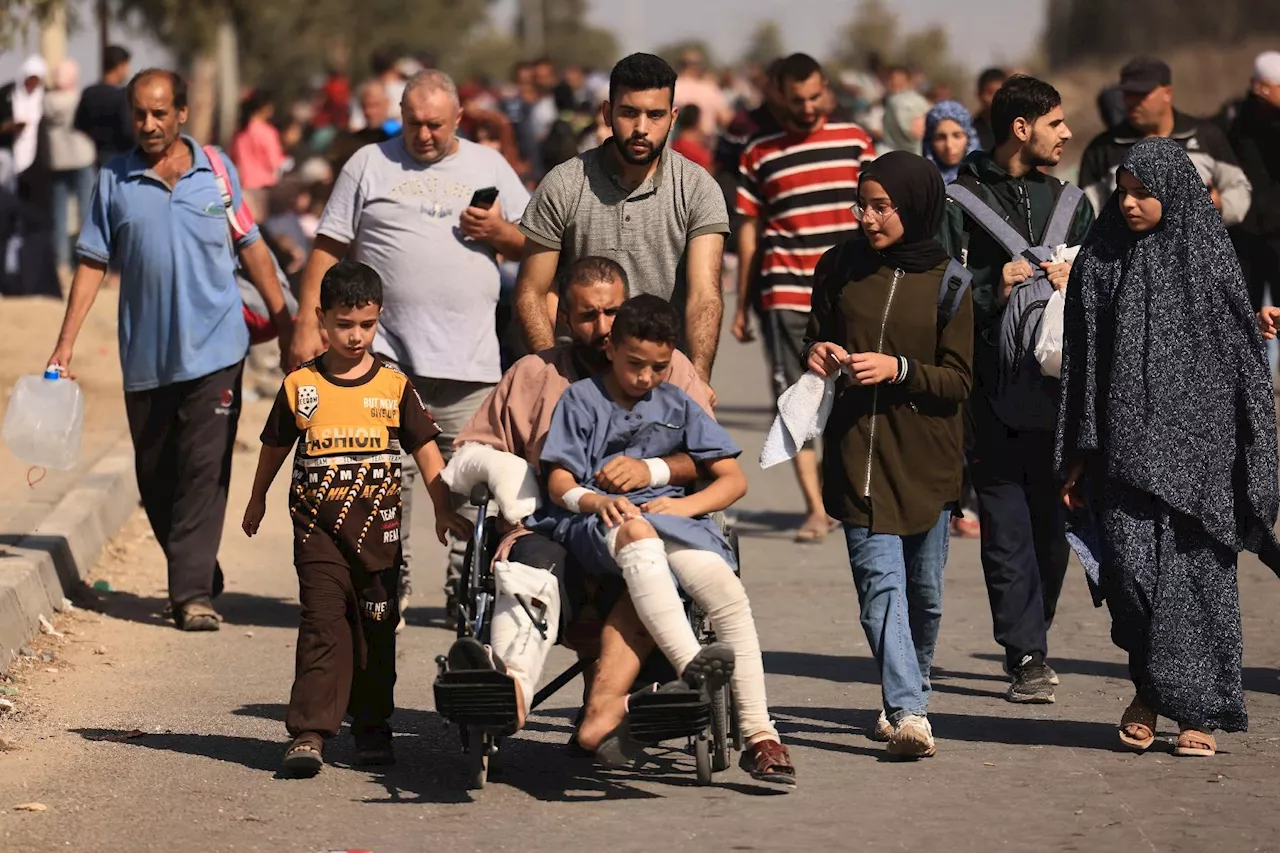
x=1064 y=213
x=955 y=283
x=241 y=221
x=990 y=220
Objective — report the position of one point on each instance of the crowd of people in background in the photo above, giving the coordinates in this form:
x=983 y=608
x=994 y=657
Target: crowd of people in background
x=783 y=166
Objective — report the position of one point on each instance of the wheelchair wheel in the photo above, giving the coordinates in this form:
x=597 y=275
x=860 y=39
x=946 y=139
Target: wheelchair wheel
x=702 y=757
x=478 y=759
x=720 y=729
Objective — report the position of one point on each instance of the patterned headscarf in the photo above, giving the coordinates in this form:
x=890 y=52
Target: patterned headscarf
x=1164 y=372
x=955 y=111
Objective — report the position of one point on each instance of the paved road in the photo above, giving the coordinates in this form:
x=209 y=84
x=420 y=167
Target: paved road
x=202 y=777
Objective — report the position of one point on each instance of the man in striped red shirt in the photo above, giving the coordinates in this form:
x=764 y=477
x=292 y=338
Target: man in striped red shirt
x=796 y=193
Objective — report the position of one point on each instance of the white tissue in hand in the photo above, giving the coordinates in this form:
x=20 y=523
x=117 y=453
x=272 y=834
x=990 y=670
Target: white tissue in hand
x=510 y=478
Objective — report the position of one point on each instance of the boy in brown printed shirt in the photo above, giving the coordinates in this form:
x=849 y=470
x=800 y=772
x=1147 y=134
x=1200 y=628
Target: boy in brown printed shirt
x=351 y=415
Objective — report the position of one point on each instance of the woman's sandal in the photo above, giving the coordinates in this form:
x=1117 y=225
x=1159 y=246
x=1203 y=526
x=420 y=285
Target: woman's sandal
x=1138 y=726
x=1195 y=743
x=769 y=761
x=304 y=757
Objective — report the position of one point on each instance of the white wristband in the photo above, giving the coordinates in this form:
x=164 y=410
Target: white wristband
x=572 y=498
x=659 y=472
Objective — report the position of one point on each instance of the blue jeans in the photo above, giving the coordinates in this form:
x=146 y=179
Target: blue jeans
x=899 y=582
x=77 y=182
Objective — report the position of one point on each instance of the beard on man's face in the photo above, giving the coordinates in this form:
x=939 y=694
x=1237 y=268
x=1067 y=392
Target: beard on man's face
x=635 y=158
x=592 y=353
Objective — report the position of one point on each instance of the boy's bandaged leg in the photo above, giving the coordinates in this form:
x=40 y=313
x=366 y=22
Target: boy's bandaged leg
x=653 y=592
x=711 y=582
x=513 y=634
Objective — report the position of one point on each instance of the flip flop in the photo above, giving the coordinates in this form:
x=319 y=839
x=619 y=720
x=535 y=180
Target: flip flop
x=1138 y=726
x=1193 y=743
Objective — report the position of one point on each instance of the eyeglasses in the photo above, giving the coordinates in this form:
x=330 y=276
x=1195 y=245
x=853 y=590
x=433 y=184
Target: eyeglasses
x=879 y=213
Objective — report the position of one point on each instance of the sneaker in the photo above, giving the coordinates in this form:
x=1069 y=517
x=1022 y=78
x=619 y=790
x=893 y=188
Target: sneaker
x=373 y=744
x=883 y=730
x=1031 y=684
x=912 y=738
x=1053 y=676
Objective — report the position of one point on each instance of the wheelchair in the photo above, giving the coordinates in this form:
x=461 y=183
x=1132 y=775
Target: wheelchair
x=482 y=703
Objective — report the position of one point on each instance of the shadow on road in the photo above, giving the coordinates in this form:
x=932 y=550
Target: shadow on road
x=253 y=753
x=1011 y=731
x=431 y=767
x=1257 y=679
x=862 y=670
x=236 y=608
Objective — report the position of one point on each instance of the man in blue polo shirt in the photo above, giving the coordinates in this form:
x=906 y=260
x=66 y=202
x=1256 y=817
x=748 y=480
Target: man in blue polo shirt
x=158 y=214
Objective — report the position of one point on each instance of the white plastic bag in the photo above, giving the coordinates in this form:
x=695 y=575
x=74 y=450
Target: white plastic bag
x=1049 y=335
x=1049 y=338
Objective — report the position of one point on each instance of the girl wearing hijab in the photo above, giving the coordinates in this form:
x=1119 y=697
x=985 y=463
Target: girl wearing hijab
x=949 y=137
x=1168 y=433
x=893 y=443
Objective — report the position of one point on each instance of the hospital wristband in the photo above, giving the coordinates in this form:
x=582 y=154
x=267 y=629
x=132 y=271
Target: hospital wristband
x=573 y=498
x=659 y=472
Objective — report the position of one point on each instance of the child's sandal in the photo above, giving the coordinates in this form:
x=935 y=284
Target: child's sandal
x=305 y=755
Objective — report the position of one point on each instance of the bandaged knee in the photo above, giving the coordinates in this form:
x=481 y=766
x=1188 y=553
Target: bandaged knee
x=521 y=591
x=657 y=601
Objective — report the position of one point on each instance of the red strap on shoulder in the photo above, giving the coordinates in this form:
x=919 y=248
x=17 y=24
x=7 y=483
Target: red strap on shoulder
x=241 y=221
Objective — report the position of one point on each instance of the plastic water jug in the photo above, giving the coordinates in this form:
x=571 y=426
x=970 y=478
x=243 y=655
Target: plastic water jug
x=44 y=421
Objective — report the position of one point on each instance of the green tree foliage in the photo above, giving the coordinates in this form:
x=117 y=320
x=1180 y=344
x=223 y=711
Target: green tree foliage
x=876 y=31
x=672 y=52
x=570 y=40
x=1104 y=29
x=765 y=44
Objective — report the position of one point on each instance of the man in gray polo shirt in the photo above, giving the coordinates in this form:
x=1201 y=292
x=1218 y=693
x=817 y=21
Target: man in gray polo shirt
x=661 y=217
x=403 y=207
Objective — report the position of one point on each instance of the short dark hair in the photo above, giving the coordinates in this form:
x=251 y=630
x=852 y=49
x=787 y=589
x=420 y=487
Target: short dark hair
x=383 y=59
x=796 y=68
x=646 y=318
x=1021 y=97
x=991 y=75
x=113 y=56
x=177 y=83
x=591 y=269
x=350 y=284
x=641 y=72
x=690 y=116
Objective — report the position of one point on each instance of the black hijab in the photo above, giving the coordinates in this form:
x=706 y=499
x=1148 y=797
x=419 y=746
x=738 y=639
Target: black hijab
x=1164 y=372
x=917 y=191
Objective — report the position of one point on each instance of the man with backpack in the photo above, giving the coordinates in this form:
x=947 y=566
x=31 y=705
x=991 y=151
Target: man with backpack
x=160 y=213
x=1004 y=220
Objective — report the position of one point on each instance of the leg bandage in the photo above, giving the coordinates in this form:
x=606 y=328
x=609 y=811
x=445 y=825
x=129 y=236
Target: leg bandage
x=711 y=582
x=657 y=602
x=513 y=635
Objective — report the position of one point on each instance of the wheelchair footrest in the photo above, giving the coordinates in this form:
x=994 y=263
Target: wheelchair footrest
x=481 y=699
x=655 y=717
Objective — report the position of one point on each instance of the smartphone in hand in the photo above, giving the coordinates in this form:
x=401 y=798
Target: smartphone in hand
x=484 y=198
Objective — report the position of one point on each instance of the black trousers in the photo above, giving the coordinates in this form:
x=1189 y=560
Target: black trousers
x=183 y=439
x=1260 y=262
x=1024 y=545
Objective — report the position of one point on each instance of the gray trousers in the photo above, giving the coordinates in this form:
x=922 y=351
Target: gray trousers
x=451 y=403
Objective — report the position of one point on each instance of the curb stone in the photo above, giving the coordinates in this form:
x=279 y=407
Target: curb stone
x=36 y=572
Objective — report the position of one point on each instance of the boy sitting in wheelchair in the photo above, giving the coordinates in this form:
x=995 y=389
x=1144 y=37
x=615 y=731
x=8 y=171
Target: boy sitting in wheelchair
x=650 y=534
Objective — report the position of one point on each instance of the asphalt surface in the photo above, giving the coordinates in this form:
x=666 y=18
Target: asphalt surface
x=205 y=712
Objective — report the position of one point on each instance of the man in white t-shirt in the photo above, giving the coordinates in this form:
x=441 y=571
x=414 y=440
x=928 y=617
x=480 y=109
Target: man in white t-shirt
x=403 y=207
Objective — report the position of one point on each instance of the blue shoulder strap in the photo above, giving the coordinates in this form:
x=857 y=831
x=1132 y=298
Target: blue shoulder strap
x=955 y=281
x=1064 y=213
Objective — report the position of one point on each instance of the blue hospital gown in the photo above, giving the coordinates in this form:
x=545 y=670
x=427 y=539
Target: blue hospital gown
x=588 y=429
